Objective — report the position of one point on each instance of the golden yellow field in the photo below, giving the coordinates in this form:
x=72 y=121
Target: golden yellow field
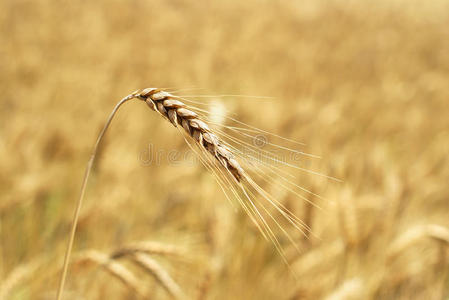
x=364 y=84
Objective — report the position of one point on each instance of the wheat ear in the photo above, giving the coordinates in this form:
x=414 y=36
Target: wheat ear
x=178 y=113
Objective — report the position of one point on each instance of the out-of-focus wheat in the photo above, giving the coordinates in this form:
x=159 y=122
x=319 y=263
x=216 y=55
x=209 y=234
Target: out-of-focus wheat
x=114 y=268
x=19 y=274
x=159 y=273
x=363 y=85
x=150 y=247
x=415 y=234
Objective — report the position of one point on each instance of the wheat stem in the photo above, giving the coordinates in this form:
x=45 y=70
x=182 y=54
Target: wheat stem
x=81 y=196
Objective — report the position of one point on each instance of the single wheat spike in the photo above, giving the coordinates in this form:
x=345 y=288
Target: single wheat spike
x=178 y=113
x=241 y=185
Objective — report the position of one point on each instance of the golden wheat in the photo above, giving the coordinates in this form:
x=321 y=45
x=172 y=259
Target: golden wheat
x=114 y=268
x=159 y=273
x=170 y=107
x=219 y=157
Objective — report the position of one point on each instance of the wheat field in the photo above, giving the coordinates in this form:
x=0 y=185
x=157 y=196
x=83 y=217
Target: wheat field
x=364 y=84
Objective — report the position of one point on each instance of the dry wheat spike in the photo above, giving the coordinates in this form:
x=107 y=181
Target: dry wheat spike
x=179 y=113
x=241 y=185
x=219 y=152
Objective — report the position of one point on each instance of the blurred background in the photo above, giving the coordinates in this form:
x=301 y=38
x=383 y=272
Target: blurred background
x=365 y=84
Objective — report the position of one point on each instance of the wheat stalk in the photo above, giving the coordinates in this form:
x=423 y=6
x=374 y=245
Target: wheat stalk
x=81 y=196
x=218 y=156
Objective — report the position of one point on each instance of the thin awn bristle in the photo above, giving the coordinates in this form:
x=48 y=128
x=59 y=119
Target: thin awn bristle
x=230 y=95
x=261 y=162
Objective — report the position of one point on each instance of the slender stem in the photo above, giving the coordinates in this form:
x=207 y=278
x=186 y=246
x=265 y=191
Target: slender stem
x=81 y=196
